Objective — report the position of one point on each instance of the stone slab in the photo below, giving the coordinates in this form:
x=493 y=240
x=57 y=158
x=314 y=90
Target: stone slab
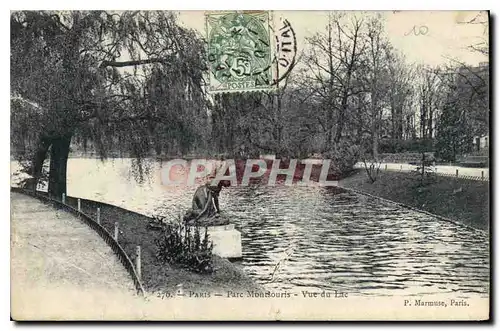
x=226 y=239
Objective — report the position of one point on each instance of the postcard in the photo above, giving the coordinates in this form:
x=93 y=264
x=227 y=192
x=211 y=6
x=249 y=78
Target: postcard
x=250 y=165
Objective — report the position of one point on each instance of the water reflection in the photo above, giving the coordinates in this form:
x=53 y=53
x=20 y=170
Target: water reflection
x=329 y=239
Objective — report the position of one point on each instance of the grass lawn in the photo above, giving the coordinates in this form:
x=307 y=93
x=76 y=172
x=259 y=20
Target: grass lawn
x=158 y=277
x=469 y=204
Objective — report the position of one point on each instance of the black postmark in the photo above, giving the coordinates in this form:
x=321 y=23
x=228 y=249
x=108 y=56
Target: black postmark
x=286 y=50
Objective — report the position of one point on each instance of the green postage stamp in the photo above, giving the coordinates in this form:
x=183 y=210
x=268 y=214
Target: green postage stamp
x=239 y=51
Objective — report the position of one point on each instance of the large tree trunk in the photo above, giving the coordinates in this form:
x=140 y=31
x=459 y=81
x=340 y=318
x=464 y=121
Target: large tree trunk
x=58 y=165
x=341 y=118
x=423 y=121
x=399 y=122
x=375 y=138
x=340 y=122
x=429 y=124
x=393 y=121
x=37 y=163
x=330 y=126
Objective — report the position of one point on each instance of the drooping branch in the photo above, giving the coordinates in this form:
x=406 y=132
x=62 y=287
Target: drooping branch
x=57 y=19
x=121 y=64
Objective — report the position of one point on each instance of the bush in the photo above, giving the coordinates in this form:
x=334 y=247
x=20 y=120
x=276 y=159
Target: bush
x=179 y=246
x=425 y=169
x=344 y=156
x=372 y=170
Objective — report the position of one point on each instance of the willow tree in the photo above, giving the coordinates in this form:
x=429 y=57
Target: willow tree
x=120 y=80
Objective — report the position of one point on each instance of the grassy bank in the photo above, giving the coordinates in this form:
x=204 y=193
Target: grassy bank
x=463 y=200
x=158 y=277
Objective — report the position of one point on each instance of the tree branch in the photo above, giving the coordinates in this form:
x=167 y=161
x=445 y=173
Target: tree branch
x=120 y=64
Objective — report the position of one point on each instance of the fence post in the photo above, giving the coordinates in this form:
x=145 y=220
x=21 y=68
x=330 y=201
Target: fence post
x=64 y=198
x=401 y=167
x=98 y=215
x=386 y=167
x=482 y=174
x=116 y=232
x=456 y=173
x=79 y=205
x=138 y=261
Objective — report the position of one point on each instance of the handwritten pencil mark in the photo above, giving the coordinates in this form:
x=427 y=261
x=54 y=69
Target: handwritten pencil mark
x=422 y=30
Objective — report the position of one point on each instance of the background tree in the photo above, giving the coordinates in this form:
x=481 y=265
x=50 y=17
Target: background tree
x=429 y=100
x=465 y=113
x=377 y=77
x=401 y=77
x=332 y=62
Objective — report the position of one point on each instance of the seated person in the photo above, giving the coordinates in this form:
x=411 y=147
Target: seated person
x=205 y=202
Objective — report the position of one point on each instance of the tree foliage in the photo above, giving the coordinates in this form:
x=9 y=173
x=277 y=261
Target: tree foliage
x=132 y=84
x=125 y=82
x=465 y=112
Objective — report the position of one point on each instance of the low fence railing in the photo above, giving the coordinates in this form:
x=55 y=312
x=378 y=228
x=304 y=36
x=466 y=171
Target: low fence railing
x=480 y=178
x=457 y=174
x=97 y=227
x=444 y=174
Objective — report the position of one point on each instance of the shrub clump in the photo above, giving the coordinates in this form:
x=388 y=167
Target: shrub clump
x=180 y=245
x=425 y=170
x=344 y=156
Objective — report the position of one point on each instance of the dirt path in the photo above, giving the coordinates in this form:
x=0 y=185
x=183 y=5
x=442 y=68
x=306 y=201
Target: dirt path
x=60 y=268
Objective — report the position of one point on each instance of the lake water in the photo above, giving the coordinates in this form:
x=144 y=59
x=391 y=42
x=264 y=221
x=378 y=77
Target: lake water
x=326 y=238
